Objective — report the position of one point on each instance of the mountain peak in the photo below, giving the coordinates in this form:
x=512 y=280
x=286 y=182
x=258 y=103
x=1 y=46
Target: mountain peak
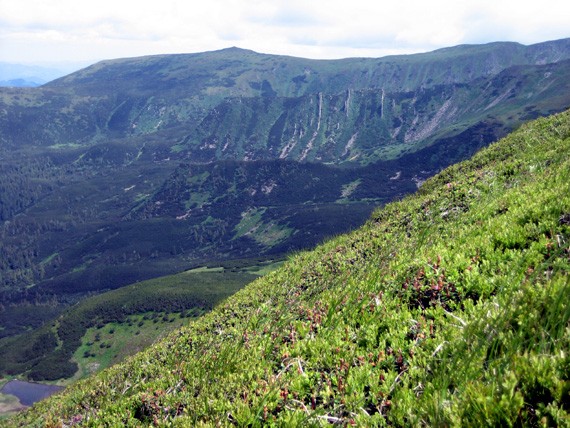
x=235 y=49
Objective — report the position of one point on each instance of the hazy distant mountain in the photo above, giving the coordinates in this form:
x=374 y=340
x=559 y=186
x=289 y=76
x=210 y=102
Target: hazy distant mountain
x=20 y=75
x=20 y=83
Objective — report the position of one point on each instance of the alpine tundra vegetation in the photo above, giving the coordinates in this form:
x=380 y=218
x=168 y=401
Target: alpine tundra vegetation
x=447 y=308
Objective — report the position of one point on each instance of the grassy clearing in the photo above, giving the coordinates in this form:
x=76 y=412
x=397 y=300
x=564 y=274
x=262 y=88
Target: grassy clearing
x=448 y=308
x=259 y=267
x=262 y=269
x=250 y=221
x=264 y=233
x=111 y=343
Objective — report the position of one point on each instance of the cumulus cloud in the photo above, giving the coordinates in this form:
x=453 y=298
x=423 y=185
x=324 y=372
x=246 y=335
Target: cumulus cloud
x=40 y=30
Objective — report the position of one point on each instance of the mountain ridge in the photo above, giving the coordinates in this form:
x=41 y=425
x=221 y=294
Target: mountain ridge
x=138 y=96
x=535 y=53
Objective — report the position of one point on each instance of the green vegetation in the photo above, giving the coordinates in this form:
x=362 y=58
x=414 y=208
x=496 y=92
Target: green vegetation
x=448 y=308
x=105 y=345
x=131 y=312
x=266 y=234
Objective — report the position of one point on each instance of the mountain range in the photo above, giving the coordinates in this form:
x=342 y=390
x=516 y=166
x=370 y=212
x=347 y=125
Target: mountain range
x=131 y=169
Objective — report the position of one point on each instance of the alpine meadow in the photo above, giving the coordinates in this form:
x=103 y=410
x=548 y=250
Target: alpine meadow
x=239 y=239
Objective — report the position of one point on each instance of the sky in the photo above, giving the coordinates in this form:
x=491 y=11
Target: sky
x=51 y=32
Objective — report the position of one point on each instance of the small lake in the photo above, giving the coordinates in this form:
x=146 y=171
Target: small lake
x=28 y=392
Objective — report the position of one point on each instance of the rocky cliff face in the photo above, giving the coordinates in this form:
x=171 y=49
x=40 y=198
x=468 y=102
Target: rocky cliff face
x=366 y=125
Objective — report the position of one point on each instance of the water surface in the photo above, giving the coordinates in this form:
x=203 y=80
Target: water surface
x=28 y=392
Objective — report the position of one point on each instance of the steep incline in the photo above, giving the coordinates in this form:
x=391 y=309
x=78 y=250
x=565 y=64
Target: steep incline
x=447 y=308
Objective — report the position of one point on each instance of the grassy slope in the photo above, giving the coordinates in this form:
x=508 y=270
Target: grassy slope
x=447 y=308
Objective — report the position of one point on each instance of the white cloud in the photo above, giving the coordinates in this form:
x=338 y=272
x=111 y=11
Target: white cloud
x=38 y=30
x=527 y=22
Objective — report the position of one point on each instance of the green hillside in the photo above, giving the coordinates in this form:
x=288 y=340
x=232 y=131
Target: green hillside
x=448 y=308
